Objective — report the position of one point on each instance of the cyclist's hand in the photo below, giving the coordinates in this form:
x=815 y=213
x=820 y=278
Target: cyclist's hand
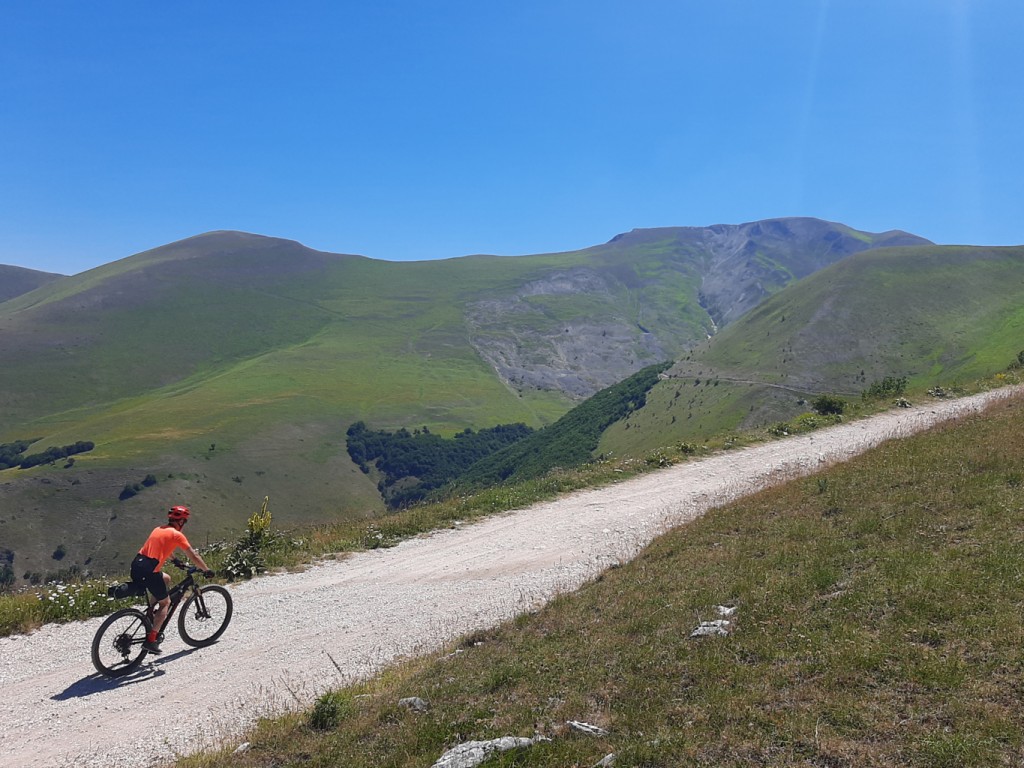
x=209 y=574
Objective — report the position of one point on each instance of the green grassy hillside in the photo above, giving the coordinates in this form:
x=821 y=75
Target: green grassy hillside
x=567 y=324
x=937 y=315
x=229 y=366
x=15 y=281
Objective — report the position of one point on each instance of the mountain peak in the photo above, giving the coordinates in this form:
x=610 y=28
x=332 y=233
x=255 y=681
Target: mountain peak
x=796 y=227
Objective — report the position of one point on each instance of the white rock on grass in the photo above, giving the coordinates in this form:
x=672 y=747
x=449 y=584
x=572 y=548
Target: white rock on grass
x=415 y=703
x=716 y=628
x=472 y=753
x=587 y=728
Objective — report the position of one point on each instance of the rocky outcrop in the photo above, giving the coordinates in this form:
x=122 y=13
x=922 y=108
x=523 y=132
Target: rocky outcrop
x=647 y=296
x=534 y=344
x=472 y=753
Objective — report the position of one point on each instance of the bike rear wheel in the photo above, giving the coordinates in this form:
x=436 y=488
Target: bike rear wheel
x=205 y=616
x=117 y=647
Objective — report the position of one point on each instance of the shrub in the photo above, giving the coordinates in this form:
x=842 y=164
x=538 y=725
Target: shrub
x=805 y=422
x=658 y=459
x=890 y=386
x=329 y=710
x=130 y=489
x=828 y=404
x=246 y=558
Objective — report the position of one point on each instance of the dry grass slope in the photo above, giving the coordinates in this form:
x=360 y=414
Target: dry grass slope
x=878 y=623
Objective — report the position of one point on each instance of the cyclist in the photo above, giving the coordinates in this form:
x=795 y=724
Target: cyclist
x=147 y=565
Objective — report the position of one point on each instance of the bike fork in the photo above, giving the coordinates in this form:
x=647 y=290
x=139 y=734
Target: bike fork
x=201 y=612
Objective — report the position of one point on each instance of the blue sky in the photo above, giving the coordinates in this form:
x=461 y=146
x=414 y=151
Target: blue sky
x=422 y=130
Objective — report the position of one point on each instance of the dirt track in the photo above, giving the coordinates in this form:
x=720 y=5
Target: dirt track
x=294 y=635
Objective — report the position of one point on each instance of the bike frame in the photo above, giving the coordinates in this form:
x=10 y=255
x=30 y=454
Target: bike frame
x=176 y=593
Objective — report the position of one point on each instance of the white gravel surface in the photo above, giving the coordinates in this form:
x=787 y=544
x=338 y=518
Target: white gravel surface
x=293 y=636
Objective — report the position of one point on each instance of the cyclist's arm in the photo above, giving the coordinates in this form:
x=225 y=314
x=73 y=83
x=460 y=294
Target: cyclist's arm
x=195 y=558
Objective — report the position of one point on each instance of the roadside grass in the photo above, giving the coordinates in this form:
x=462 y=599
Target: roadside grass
x=878 y=623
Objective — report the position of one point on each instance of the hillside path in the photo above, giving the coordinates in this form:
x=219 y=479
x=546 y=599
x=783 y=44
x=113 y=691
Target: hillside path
x=295 y=635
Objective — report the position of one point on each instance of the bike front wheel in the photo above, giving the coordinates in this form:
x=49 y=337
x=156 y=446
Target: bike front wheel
x=205 y=616
x=117 y=647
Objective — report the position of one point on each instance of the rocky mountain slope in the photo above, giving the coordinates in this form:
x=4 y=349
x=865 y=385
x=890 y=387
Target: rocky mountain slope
x=701 y=279
x=938 y=316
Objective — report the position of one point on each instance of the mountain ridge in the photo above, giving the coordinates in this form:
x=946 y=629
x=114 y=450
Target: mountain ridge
x=632 y=304
x=935 y=315
x=15 y=281
x=229 y=365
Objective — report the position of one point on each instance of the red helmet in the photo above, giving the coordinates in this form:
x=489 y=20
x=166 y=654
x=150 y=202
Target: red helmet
x=178 y=513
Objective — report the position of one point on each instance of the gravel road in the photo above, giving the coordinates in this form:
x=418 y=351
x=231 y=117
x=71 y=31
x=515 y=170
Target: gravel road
x=295 y=635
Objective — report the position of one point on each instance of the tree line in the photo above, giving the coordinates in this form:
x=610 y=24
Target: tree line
x=12 y=454
x=415 y=463
x=570 y=441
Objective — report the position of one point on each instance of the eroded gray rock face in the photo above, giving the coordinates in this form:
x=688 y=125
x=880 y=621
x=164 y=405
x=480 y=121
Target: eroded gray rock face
x=534 y=343
x=648 y=295
x=749 y=262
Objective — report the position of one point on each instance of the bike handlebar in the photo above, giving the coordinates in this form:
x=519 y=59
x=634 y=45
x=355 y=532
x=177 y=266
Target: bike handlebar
x=189 y=568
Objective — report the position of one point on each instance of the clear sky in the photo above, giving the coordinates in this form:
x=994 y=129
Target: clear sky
x=427 y=129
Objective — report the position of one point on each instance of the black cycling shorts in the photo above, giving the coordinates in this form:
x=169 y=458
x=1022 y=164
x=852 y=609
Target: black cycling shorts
x=142 y=571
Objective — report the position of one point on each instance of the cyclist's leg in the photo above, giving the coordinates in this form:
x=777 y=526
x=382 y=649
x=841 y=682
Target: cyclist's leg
x=160 y=603
x=144 y=572
x=160 y=614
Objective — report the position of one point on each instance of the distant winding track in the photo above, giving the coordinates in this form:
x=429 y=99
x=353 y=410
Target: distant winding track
x=294 y=635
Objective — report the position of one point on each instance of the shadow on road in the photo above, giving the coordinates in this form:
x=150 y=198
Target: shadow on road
x=97 y=683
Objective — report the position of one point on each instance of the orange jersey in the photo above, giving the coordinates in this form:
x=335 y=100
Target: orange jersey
x=161 y=544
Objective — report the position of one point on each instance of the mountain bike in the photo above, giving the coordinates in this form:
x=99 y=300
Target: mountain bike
x=117 y=647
